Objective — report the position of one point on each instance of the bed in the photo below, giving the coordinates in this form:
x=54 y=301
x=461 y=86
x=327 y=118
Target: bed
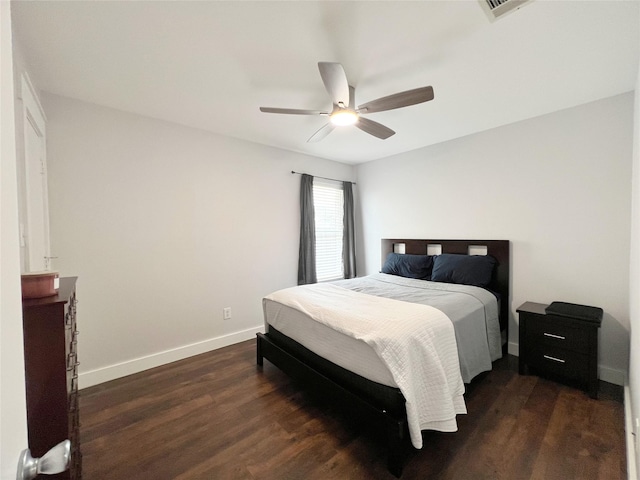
x=349 y=359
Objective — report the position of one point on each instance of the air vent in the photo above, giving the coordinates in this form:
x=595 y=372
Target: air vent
x=498 y=8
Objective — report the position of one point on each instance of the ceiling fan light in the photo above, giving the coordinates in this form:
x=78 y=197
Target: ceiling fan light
x=344 y=117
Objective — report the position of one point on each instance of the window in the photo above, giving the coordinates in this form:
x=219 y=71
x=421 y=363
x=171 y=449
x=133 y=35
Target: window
x=327 y=234
x=328 y=202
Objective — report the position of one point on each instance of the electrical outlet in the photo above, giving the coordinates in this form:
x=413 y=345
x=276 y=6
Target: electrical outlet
x=226 y=313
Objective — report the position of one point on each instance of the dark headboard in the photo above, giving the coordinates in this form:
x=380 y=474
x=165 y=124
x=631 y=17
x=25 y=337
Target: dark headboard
x=498 y=249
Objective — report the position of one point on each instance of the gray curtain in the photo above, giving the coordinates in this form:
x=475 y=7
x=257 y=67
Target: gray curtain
x=349 y=233
x=307 y=252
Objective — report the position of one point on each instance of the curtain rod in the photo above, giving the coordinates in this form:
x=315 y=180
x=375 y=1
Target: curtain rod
x=324 y=178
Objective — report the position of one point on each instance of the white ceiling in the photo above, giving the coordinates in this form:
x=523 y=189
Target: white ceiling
x=210 y=65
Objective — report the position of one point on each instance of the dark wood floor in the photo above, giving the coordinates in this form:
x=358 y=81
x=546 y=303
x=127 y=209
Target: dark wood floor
x=219 y=416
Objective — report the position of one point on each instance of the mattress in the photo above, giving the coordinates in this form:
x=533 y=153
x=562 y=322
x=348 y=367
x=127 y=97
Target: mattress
x=472 y=310
x=416 y=342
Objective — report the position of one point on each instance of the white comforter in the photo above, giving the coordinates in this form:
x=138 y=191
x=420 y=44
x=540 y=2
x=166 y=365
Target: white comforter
x=416 y=342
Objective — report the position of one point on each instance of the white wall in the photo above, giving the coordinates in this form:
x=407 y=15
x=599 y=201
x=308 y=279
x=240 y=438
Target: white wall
x=634 y=284
x=13 y=420
x=165 y=226
x=557 y=186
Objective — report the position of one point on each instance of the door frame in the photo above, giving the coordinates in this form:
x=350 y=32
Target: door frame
x=13 y=416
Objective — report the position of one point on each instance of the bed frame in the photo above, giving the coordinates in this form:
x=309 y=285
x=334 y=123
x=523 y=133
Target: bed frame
x=370 y=399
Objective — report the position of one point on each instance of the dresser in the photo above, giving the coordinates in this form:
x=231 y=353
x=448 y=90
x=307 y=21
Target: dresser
x=51 y=374
x=560 y=346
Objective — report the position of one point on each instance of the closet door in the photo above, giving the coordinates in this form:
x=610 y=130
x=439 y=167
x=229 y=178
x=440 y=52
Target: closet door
x=36 y=193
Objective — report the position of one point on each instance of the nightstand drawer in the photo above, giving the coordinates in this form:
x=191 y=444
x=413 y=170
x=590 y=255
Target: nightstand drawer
x=559 y=361
x=548 y=331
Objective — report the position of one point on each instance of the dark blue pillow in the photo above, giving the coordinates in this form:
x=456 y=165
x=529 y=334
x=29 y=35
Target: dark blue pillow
x=463 y=269
x=407 y=265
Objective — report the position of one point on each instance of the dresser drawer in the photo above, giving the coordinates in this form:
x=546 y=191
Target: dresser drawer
x=559 y=361
x=554 y=333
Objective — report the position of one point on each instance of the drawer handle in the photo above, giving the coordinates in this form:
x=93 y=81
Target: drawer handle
x=73 y=366
x=559 y=360
x=559 y=337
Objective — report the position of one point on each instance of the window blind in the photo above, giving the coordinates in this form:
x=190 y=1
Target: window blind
x=328 y=200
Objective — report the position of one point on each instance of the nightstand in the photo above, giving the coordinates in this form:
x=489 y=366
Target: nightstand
x=562 y=345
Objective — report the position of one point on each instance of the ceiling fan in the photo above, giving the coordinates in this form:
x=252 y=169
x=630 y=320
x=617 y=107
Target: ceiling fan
x=344 y=111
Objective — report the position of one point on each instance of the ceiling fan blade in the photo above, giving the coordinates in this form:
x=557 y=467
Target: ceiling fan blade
x=335 y=81
x=397 y=100
x=292 y=111
x=323 y=132
x=374 y=128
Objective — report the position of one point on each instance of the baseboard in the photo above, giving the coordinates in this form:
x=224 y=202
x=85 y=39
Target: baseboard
x=119 y=370
x=632 y=468
x=611 y=375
